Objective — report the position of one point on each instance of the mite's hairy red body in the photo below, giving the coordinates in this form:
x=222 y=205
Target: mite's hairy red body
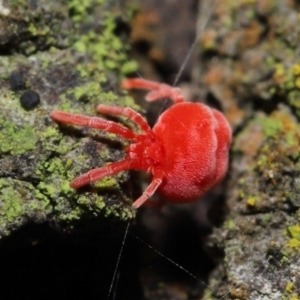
x=196 y=157
x=186 y=151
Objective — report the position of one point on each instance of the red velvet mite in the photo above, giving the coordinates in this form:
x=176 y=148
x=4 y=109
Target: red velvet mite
x=186 y=151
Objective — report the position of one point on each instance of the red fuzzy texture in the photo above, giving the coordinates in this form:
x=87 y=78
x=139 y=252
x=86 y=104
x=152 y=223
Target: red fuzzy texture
x=196 y=140
x=186 y=151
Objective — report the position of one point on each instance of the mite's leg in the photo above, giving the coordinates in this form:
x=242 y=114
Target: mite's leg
x=97 y=174
x=93 y=122
x=157 y=90
x=149 y=191
x=127 y=112
x=139 y=83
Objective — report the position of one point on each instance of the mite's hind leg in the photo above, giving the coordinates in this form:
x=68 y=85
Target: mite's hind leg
x=157 y=90
x=149 y=191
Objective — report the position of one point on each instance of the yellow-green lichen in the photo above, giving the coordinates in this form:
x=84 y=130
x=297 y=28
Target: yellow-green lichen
x=83 y=200
x=294 y=242
x=290 y=292
x=12 y=207
x=48 y=189
x=288 y=80
x=16 y=202
x=274 y=147
x=296 y=69
x=282 y=127
x=105 y=50
x=55 y=166
x=229 y=224
x=91 y=92
x=79 y=8
x=50 y=132
x=294 y=231
x=41 y=156
x=106 y=182
x=270 y=126
x=289 y=287
x=65 y=187
x=251 y=201
x=99 y=203
x=16 y=139
x=71 y=215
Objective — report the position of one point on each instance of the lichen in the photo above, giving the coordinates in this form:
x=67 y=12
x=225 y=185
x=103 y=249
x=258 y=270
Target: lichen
x=38 y=157
x=16 y=140
x=17 y=204
x=275 y=149
x=256 y=81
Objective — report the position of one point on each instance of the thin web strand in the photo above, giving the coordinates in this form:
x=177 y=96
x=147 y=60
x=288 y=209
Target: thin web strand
x=195 y=42
x=118 y=260
x=171 y=261
x=191 y=50
x=186 y=59
x=195 y=277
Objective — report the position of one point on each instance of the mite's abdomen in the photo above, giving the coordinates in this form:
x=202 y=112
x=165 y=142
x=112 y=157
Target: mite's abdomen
x=196 y=139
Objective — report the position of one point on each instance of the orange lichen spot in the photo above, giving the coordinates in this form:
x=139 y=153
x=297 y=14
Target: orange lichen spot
x=214 y=76
x=251 y=35
x=208 y=39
